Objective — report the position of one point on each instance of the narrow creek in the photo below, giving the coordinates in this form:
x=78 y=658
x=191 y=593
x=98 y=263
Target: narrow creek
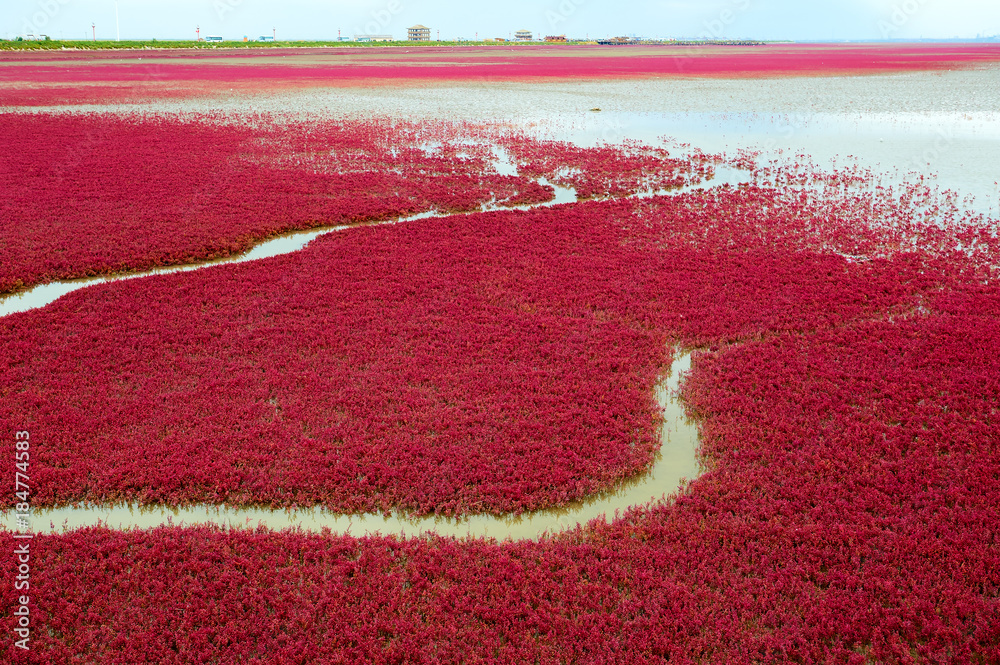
x=675 y=461
x=287 y=243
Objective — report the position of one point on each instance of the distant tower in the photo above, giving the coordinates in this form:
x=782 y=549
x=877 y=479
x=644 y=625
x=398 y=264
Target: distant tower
x=197 y=33
x=93 y=27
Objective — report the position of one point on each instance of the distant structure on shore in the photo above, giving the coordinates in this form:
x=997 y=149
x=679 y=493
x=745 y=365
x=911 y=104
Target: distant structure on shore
x=712 y=42
x=418 y=33
x=421 y=33
x=617 y=41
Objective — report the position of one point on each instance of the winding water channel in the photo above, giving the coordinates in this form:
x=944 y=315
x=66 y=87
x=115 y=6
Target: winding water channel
x=675 y=461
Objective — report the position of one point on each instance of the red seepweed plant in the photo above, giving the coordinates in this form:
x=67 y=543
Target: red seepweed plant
x=846 y=386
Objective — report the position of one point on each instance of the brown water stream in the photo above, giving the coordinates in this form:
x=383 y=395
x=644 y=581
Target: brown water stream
x=676 y=461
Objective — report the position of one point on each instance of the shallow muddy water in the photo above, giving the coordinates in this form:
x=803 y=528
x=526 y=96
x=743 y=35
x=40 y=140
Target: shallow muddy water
x=945 y=124
x=676 y=461
x=959 y=151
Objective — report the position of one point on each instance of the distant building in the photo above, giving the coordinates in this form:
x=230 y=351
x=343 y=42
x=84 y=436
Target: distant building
x=266 y=38
x=418 y=33
x=373 y=38
x=523 y=35
x=213 y=38
x=555 y=38
x=617 y=41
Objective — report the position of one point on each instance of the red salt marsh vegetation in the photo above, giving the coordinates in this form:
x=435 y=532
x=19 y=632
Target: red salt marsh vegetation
x=485 y=363
x=849 y=516
x=131 y=193
x=450 y=351
x=55 y=78
x=846 y=386
x=99 y=194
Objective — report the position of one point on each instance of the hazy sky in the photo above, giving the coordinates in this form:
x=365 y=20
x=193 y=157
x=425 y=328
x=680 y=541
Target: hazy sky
x=321 y=19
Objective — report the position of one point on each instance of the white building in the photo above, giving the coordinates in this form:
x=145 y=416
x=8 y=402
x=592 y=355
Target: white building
x=418 y=33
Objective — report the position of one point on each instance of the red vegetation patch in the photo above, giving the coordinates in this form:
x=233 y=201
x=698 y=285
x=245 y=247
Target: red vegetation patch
x=57 y=76
x=850 y=517
x=379 y=373
x=855 y=488
x=602 y=171
x=492 y=362
x=848 y=402
x=100 y=194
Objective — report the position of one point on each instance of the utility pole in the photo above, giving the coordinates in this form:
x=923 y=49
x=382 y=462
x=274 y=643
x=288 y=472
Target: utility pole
x=274 y=34
x=118 y=32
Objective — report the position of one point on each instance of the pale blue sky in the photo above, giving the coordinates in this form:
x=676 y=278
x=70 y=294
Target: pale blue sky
x=316 y=19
